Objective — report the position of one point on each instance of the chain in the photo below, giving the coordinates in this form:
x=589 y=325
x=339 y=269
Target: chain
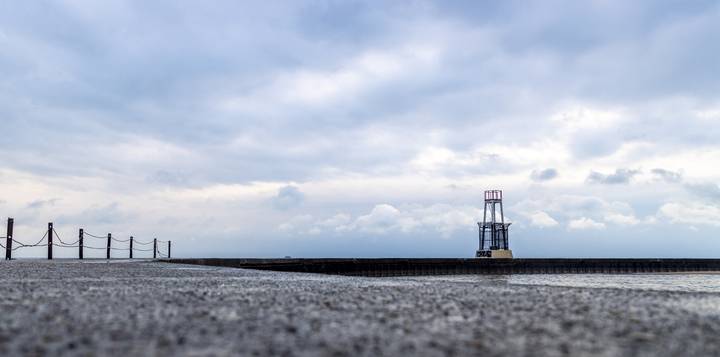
x=31 y=245
x=94 y=236
x=61 y=241
x=63 y=244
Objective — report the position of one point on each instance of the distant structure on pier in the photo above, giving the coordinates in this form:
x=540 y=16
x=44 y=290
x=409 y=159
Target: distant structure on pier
x=493 y=231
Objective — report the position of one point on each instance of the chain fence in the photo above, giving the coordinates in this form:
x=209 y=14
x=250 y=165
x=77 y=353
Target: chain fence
x=52 y=238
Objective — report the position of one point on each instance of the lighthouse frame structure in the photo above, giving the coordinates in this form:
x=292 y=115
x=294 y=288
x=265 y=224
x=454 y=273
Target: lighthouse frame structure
x=493 y=231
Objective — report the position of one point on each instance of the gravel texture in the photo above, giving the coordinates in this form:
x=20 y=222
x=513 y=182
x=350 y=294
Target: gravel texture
x=148 y=308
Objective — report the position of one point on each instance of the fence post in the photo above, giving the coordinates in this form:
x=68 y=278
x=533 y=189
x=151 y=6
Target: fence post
x=108 y=245
x=50 y=242
x=81 y=235
x=154 y=248
x=131 y=242
x=9 y=235
x=169 y=249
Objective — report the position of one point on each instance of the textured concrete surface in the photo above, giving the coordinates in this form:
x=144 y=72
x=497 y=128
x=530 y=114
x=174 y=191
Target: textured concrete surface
x=145 y=308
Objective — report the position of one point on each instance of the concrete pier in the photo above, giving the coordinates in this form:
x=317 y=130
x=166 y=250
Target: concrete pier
x=131 y=308
x=416 y=267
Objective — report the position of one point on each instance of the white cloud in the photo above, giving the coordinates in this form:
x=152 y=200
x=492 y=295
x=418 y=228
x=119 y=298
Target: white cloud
x=433 y=158
x=621 y=219
x=691 y=213
x=344 y=83
x=562 y=204
x=288 y=197
x=368 y=69
x=542 y=219
x=575 y=117
x=583 y=223
x=297 y=224
x=385 y=219
x=447 y=219
x=577 y=210
x=338 y=222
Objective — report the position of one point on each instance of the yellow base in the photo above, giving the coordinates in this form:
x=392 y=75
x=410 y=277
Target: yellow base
x=495 y=253
x=502 y=254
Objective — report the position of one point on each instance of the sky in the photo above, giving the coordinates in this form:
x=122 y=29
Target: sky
x=363 y=128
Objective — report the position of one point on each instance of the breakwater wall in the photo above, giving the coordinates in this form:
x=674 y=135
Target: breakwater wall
x=443 y=266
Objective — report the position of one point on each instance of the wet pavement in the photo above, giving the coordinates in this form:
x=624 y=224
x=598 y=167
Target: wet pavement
x=151 y=308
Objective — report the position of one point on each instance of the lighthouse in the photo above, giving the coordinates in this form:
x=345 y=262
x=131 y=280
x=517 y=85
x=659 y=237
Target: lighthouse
x=493 y=231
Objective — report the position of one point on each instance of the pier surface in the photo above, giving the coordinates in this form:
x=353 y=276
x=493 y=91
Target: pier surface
x=153 y=308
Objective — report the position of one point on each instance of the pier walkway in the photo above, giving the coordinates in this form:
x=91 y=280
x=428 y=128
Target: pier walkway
x=69 y=308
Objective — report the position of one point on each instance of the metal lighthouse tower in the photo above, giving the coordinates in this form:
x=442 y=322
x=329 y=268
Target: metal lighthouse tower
x=493 y=233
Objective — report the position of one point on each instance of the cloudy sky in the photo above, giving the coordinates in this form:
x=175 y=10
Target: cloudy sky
x=363 y=128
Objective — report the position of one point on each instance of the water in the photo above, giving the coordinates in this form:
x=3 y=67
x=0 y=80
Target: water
x=664 y=282
x=695 y=282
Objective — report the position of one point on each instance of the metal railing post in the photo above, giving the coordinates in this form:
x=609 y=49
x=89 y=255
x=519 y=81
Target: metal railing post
x=131 y=247
x=9 y=235
x=154 y=248
x=169 y=249
x=81 y=235
x=108 y=246
x=50 y=240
